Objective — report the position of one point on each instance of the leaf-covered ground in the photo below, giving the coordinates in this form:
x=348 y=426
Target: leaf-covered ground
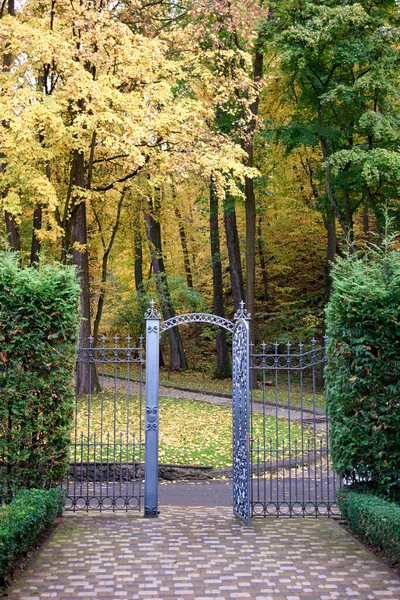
x=190 y=432
x=196 y=380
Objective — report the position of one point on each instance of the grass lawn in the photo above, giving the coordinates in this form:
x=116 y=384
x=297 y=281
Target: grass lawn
x=190 y=432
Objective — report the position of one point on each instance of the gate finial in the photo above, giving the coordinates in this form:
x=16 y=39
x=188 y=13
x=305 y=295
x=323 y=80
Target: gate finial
x=242 y=313
x=152 y=313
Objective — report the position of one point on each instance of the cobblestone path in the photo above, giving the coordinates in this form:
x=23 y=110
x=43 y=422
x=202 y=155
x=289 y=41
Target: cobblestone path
x=203 y=554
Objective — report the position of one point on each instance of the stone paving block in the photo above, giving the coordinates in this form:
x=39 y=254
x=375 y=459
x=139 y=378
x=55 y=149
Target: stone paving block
x=203 y=554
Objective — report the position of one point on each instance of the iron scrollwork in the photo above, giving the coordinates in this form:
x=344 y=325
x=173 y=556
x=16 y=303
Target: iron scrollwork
x=152 y=418
x=198 y=318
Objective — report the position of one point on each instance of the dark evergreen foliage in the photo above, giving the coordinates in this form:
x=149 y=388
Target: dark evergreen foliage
x=375 y=519
x=363 y=372
x=39 y=320
x=22 y=522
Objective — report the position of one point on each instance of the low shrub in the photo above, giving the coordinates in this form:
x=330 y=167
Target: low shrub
x=22 y=521
x=375 y=519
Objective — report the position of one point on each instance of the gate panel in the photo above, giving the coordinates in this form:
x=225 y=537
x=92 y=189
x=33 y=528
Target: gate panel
x=106 y=454
x=291 y=467
x=241 y=420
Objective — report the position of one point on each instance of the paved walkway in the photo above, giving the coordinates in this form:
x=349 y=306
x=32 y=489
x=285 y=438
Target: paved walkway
x=202 y=554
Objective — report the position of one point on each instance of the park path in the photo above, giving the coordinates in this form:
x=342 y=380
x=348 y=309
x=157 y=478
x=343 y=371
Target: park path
x=202 y=553
x=219 y=399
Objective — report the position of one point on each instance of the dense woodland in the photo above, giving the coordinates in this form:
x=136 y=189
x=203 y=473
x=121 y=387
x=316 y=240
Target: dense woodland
x=199 y=153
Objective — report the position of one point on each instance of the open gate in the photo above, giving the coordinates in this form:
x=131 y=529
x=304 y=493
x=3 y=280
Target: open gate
x=280 y=438
x=240 y=394
x=291 y=466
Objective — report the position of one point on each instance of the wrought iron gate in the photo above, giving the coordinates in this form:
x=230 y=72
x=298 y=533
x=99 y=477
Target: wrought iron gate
x=106 y=454
x=290 y=462
x=240 y=395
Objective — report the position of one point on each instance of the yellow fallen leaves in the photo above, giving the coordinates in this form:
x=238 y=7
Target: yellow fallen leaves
x=189 y=432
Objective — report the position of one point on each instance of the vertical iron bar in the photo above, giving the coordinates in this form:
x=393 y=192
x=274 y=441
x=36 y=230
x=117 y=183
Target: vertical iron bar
x=313 y=355
x=289 y=374
x=140 y=454
x=277 y=443
x=301 y=416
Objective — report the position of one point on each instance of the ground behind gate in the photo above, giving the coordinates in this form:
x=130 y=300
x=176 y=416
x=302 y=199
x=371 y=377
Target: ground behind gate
x=203 y=553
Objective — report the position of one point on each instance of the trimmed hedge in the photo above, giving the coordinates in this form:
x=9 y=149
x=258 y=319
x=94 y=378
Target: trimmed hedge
x=39 y=320
x=22 y=521
x=363 y=369
x=375 y=519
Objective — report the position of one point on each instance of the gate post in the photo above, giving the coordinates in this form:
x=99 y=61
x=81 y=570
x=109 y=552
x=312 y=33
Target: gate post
x=152 y=318
x=241 y=433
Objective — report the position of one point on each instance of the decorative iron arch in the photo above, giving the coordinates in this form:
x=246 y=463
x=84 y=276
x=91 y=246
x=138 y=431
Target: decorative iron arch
x=197 y=318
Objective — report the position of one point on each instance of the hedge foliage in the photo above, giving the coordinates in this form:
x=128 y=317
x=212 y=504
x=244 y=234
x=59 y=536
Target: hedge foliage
x=375 y=519
x=21 y=523
x=363 y=369
x=39 y=320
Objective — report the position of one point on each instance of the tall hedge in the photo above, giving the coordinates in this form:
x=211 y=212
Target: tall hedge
x=363 y=371
x=39 y=319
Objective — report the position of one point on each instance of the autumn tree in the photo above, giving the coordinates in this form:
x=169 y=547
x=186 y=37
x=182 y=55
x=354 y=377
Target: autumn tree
x=338 y=67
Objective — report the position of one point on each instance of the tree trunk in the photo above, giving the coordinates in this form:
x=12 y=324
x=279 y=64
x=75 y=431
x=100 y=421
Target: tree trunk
x=330 y=251
x=35 y=243
x=251 y=210
x=13 y=236
x=232 y=241
x=184 y=245
x=138 y=253
x=263 y=262
x=366 y=224
x=104 y=269
x=153 y=231
x=223 y=362
x=77 y=235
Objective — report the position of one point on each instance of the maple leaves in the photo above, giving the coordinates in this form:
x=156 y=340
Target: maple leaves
x=79 y=71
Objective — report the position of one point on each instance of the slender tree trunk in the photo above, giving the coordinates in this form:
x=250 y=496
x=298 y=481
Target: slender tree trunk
x=184 y=245
x=138 y=253
x=232 y=241
x=330 y=251
x=223 y=362
x=366 y=224
x=263 y=262
x=153 y=232
x=104 y=269
x=345 y=220
x=13 y=235
x=251 y=211
x=77 y=236
x=35 y=243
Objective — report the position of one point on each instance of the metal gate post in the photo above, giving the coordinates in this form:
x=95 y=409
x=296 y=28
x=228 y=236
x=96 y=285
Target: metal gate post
x=241 y=485
x=152 y=318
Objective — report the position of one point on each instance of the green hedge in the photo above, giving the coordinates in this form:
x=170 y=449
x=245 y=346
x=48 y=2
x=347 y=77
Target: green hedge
x=375 y=519
x=21 y=523
x=39 y=318
x=363 y=369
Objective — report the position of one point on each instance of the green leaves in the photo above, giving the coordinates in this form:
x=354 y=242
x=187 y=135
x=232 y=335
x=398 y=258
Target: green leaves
x=339 y=67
